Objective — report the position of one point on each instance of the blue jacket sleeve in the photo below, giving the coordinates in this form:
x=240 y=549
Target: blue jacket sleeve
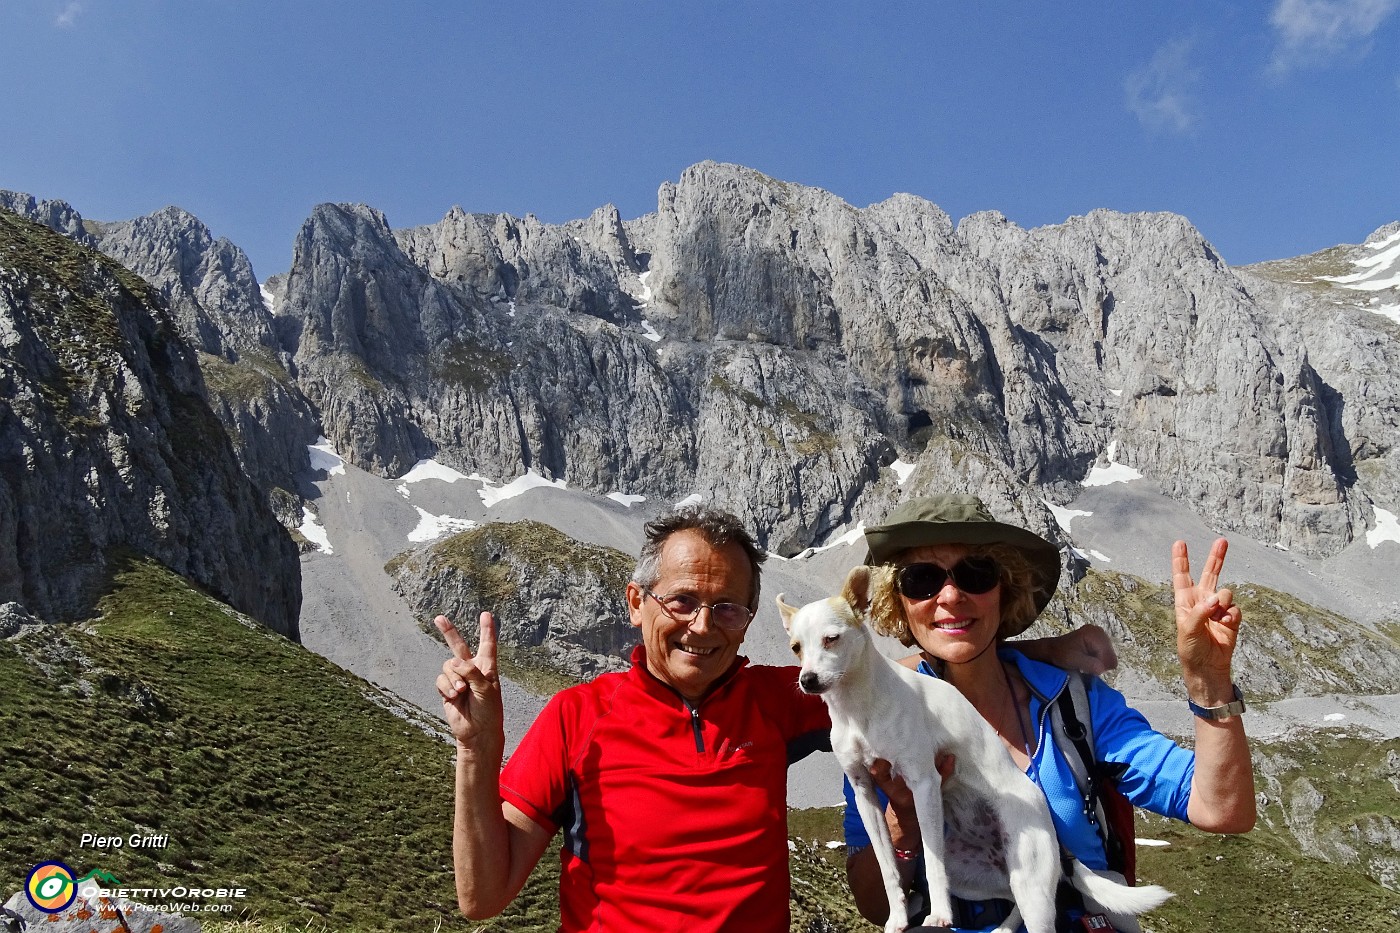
x=1158 y=772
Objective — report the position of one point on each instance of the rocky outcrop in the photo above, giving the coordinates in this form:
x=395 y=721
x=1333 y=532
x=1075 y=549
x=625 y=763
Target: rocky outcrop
x=208 y=284
x=1321 y=788
x=56 y=215
x=556 y=600
x=1289 y=648
x=1205 y=382
x=217 y=305
x=771 y=347
x=108 y=447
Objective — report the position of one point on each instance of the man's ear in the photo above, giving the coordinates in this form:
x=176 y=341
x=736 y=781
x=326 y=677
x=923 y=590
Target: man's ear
x=856 y=592
x=786 y=611
x=635 y=598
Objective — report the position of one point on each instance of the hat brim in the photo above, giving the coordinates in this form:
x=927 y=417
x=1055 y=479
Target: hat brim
x=886 y=541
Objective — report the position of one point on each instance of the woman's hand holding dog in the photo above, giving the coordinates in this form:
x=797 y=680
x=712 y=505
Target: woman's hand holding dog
x=471 y=690
x=900 y=814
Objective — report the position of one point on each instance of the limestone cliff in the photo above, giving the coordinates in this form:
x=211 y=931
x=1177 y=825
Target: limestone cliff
x=771 y=348
x=108 y=446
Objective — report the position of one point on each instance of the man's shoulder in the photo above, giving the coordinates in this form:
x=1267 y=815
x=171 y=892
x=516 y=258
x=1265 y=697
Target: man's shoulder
x=771 y=673
x=604 y=684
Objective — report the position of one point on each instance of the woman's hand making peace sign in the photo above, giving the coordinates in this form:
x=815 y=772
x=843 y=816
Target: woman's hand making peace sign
x=1207 y=625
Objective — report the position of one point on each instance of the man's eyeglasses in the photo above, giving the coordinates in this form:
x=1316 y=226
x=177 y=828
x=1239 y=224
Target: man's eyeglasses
x=685 y=608
x=974 y=575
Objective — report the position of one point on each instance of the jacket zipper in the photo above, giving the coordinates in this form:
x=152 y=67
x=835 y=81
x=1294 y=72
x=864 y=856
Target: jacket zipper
x=695 y=725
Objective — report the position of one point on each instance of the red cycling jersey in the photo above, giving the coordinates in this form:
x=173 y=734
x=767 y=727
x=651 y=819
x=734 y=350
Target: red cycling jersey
x=674 y=816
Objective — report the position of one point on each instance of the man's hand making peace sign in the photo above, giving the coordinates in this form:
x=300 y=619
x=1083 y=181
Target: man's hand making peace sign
x=471 y=689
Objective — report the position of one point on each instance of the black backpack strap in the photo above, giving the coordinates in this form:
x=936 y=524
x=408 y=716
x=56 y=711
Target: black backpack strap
x=1074 y=731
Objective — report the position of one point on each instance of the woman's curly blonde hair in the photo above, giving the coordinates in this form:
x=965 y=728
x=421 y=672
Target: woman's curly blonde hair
x=1019 y=584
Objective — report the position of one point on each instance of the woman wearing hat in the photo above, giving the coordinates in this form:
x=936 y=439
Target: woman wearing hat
x=961 y=584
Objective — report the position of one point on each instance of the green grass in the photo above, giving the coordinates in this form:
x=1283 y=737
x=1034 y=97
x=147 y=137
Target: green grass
x=269 y=767
x=1306 y=649
x=1147 y=613
x=1256 y=883
x=1305 y=271
x=254 y=376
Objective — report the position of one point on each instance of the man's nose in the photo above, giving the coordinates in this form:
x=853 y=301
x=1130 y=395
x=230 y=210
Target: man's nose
x=703 y=621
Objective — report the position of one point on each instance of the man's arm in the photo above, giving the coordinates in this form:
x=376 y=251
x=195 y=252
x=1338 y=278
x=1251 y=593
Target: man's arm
x=494 y=845
x=1087 y=649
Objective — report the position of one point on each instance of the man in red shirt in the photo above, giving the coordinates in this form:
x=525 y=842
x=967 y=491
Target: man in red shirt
x=668 y=781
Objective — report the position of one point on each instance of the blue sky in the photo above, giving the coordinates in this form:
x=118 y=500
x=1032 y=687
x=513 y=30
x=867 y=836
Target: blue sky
x=1273 y=125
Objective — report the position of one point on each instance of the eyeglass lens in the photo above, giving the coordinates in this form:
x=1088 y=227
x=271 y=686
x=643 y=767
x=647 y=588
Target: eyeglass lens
x=973 y=575
x=685 y=608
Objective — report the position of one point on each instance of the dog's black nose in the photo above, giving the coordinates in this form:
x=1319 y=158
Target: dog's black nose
x=810 y=683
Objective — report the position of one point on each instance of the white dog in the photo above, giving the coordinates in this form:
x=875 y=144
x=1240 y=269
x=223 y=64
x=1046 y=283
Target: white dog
x=1000 y=839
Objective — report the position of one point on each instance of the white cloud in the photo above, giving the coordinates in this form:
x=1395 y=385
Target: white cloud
x=1314 y=32
x=69 y=16
x=1162 y=93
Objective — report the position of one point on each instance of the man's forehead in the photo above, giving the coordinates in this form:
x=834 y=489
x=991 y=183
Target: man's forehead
x=688 y=552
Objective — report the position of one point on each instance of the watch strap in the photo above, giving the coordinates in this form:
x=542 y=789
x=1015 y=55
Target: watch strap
x=1234 y=708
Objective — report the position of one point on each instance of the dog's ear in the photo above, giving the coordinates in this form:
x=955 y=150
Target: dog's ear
x=786 y=611
x=856 y=592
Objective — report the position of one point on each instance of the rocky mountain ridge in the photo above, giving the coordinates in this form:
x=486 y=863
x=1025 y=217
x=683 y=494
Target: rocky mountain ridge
x=771 y=347
x=214 y=300
x=108 y=448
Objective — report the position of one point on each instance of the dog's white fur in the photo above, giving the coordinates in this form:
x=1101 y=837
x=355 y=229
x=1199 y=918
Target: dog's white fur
x=1000 y=838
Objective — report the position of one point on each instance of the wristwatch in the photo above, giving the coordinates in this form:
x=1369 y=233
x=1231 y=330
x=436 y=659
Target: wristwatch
x=1234 y=708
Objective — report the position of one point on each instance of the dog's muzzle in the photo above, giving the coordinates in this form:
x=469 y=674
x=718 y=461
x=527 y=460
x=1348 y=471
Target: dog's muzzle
x=811 y=683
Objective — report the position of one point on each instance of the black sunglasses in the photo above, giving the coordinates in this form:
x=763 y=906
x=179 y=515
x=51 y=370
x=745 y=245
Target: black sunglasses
x=975 y=575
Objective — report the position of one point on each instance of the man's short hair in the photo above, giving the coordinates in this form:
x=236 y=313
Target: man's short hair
x=716 y=526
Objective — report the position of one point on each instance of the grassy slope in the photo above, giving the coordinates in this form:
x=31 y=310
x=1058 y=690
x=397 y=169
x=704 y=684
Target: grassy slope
x=267 y=765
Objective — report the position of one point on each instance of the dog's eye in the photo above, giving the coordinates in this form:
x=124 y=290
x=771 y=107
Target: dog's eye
x=796 y=649
x=829 y=640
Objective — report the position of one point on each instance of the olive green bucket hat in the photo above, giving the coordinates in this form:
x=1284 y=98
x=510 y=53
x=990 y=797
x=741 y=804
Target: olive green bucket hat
x=961 y=519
